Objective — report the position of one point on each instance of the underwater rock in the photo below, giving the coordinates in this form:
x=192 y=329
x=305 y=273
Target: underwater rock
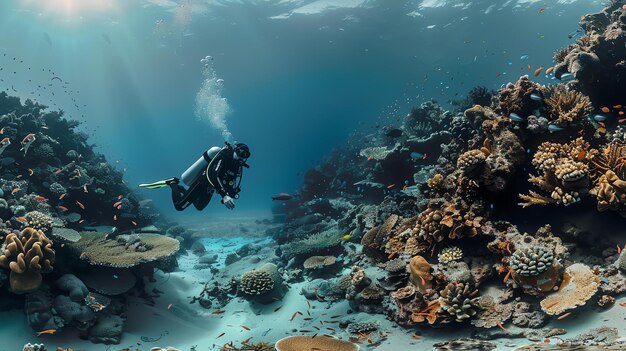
x=39 y=312
x=107 y=330
x=621 y=262
x=70 y=284
x=73 y=313
x=109 y=280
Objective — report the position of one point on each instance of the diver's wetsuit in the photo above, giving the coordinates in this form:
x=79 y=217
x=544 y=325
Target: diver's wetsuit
x=224 y=175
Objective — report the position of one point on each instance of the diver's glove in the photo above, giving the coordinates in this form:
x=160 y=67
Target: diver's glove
x=229 y=202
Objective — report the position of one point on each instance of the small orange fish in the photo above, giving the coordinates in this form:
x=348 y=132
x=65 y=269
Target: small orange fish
x=40 y=198
x=549 y=70
x=85 y=188
x=621 y=120
x=605 y=109
x=538 y=71
x=245 y=328
x=390 y=186
x=528 y=66
x=48 y=331
x=581 y=155
x=619 y=249
x=623 y=304
x=218 y=312
x=19 y=176
x=602 y=130
x=618 y=106
x=62 y=196
x=500 y=325
x=21 y=219
x=115 y=217
x=293 y=316
x=80 y=205
x=14 y=191
x=169 y=306
x=370 y=158
x=117 y=204
x=506 y=277
x=416 y=337
x=120 y=197
x=246 y=341
x=2 y=131
x=134 y=223
x=564 y=316
x=63 y=208
x=31 y=172
x=391 y=255
x=422 y=280
x=58 y=171
x=62 y=244
x=82 y=255
x=602 y=124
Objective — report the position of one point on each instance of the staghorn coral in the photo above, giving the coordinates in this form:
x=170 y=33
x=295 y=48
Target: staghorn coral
x=567 y=106
x=450 y=254
x=457 y=300
x=531 y=261
x=28 y=256
x=578 y=286
x=39 y=221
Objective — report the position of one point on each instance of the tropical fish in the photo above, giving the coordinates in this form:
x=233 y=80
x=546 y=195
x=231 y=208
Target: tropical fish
x=538 y=71
x=47 y=331
x=599 y=118
x=27 y=142
x=80 y=204
x=554 y=128
x=417 y=156
x=282 y=197
x=347 y=236
x=524 y=57
x=605 y=109
x=567 y=76
x=4 y=144
x=535 y=97
x=549 y=70
x=515 y=117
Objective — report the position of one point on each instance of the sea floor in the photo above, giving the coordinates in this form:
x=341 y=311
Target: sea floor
x=173 y=321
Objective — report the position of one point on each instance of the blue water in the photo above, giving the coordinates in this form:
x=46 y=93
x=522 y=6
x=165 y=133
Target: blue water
x=297 y=86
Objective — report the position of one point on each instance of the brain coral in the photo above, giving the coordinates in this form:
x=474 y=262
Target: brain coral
x=255 y=283
x=28 y=256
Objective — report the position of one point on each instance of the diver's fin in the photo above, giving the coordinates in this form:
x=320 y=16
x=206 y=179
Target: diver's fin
x=159 y=184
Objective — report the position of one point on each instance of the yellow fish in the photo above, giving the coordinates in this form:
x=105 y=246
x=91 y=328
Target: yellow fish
x=347 y=236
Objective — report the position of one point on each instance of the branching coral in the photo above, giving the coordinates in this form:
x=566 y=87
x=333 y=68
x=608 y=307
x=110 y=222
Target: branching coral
x=565 y=173
x=567 y=106
x=28 y=256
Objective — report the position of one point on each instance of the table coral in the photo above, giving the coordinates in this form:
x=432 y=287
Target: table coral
x=579 y=285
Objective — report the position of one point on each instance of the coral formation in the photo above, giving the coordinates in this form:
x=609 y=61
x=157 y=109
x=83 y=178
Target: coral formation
x=579 y=285
x=531 y=261
x=450 y=254
x=27 y=256
x=457 y=300
x=298 y=343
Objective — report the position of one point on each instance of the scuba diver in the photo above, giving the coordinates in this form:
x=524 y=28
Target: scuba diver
x=218 y=169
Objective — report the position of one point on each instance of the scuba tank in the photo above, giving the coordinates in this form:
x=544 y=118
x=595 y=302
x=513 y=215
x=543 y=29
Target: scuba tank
x=195 y=170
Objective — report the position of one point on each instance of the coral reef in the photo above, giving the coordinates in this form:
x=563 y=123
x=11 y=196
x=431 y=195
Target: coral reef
x=298 y=343
x=27 y=256
x=579 y=285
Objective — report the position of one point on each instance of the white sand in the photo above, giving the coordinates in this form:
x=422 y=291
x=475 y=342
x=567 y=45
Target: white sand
x=186 y=325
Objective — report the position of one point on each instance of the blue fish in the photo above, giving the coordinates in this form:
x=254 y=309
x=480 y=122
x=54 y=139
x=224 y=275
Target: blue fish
x=599 y=118
x=524 y=57
x=516 y=118
x=535 y=97
x=567 y=76
x=416 y=155
x=554 y=128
